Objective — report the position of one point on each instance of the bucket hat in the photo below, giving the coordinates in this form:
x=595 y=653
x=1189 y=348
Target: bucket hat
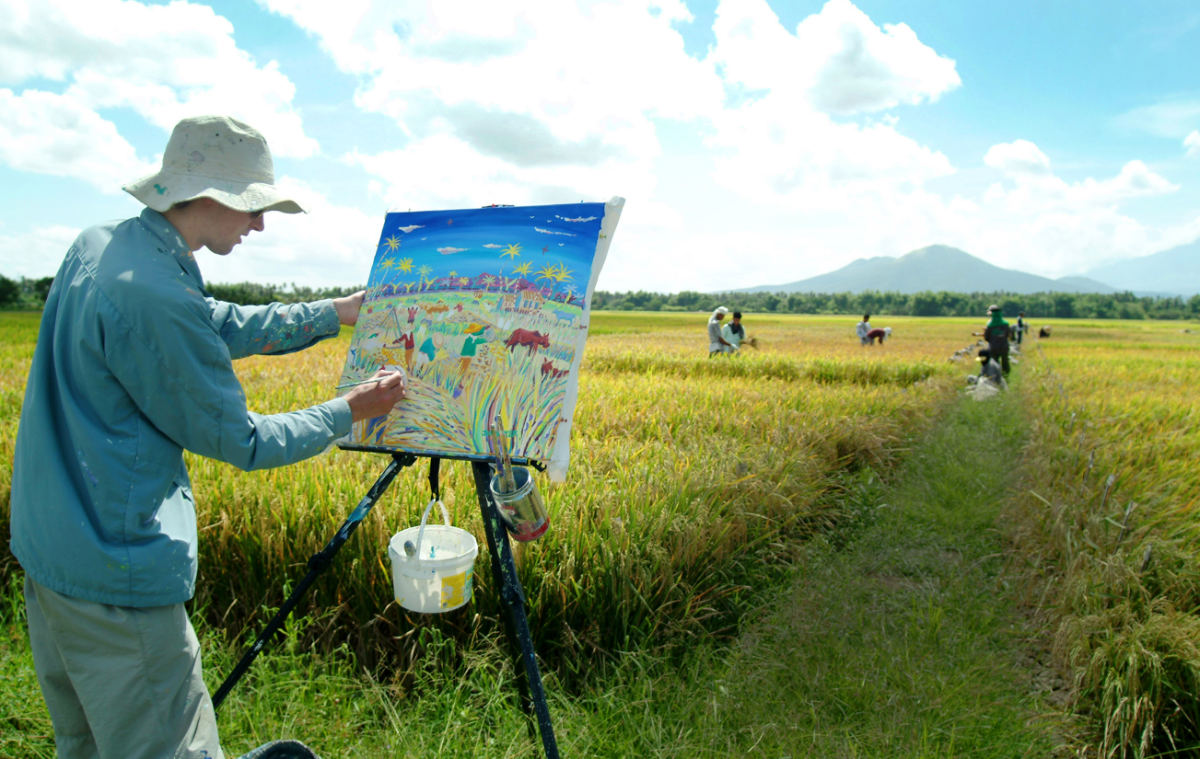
x=214 y=157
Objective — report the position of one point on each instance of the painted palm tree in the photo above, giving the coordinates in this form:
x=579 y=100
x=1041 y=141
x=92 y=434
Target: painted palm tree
x=522 y=270
x=404 y=265
x=488 y=281
x=562 y=273
x=512 y=251
x=549 y=274
x=424 y=271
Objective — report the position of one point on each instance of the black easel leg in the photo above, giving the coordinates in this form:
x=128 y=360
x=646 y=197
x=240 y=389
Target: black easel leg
x=504 y=570
x=316 y=565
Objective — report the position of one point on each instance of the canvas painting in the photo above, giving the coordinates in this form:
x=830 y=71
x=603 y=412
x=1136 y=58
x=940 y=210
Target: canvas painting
x=486 y=310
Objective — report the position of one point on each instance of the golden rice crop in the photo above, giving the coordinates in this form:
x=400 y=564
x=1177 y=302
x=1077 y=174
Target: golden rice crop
x=690 y=479
x=1111 y=525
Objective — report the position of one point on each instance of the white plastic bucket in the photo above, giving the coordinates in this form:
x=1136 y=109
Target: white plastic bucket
x=438 y=576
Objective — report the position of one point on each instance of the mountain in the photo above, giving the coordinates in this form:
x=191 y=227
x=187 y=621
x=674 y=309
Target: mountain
x=1170 y=272
x=934 y=268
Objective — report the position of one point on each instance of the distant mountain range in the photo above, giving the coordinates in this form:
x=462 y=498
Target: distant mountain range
x=1169 y=272
x=940 y=267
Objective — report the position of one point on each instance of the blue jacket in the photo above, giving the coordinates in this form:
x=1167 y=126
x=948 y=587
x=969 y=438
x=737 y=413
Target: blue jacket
x=133 y=365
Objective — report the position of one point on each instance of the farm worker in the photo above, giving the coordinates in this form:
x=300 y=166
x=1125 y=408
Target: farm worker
x=408 y=342
x=1021 y=327
x=997 y=333
x=734 y=333
x=428 y=351
x=989 y=370
x=878 y=333
x=863 y=329
x=133 y=365
x=473 y=340
x=717 y=343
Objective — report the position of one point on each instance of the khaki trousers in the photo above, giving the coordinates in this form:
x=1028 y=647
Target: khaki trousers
x=120 y=682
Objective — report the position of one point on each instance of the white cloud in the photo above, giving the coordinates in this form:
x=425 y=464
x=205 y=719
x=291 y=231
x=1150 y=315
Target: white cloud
x=1170 y=118
x=860 y=67
x=838 y=60
x=44 y=133
x=1017 y=157
x=1191 y=143
x=779 y=143
x=164 y=62
x=329 y=246
x=536 y=83
x=36 y=252
x=1039 y=222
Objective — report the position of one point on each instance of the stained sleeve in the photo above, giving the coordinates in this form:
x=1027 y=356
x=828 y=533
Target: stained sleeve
x=174 y=359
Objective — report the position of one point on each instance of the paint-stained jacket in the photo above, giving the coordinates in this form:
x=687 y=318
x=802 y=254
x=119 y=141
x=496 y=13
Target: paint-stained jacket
x=133 y=365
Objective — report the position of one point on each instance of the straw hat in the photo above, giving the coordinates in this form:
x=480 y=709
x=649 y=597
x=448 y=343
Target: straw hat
x=214 y=157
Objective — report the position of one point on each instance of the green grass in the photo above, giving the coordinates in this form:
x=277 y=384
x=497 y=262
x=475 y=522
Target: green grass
x=899 y=639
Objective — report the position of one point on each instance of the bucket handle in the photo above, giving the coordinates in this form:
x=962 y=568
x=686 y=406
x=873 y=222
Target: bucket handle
x=424 y=517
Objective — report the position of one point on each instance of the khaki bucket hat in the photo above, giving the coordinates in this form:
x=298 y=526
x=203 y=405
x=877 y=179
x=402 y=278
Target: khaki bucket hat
x=214 y=157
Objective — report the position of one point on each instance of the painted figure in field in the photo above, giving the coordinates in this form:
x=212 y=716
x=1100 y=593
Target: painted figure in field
x=476 y=336
x=428 y=351
x=473 y=302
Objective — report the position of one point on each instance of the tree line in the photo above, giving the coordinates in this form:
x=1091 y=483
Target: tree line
x=31 y=294
x=27 y=294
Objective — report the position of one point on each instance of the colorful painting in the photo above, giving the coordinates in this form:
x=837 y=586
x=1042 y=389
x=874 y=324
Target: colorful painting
x=486 y=310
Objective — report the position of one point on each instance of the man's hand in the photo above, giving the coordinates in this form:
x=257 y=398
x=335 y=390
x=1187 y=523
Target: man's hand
x=348 y=307
x=377 y=397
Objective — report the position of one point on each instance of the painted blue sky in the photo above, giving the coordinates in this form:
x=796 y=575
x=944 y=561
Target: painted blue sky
x=755 y=141
x=550 y=246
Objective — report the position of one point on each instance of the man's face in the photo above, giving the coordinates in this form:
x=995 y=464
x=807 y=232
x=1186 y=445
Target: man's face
x=226 y=227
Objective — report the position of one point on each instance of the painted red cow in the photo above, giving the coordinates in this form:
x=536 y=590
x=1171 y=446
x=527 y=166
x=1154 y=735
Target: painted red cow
x=550 y=371
x=528 y=338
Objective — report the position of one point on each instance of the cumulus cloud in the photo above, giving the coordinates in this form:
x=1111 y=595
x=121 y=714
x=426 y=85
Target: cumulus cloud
x=1017 y=157
x=1191 y=143
x=44 y=133
x=36 y=252
x=331 y=245
x=544 y=84
x=778 y=141
x=838 y=60
x=1170 y=118
x=164 y=62
x=1042 y=223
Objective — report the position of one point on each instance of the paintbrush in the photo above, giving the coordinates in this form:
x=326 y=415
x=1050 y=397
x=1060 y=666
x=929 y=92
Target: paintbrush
x=372 y=379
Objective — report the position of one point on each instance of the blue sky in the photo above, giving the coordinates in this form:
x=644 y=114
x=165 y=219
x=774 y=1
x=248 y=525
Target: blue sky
x=755 y=141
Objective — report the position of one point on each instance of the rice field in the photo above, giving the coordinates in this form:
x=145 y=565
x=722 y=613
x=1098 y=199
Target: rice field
x=1111 y=529
x=694 y=480
x=690 y=478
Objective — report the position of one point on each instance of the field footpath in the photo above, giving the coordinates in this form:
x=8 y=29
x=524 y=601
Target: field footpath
x=899 y=636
